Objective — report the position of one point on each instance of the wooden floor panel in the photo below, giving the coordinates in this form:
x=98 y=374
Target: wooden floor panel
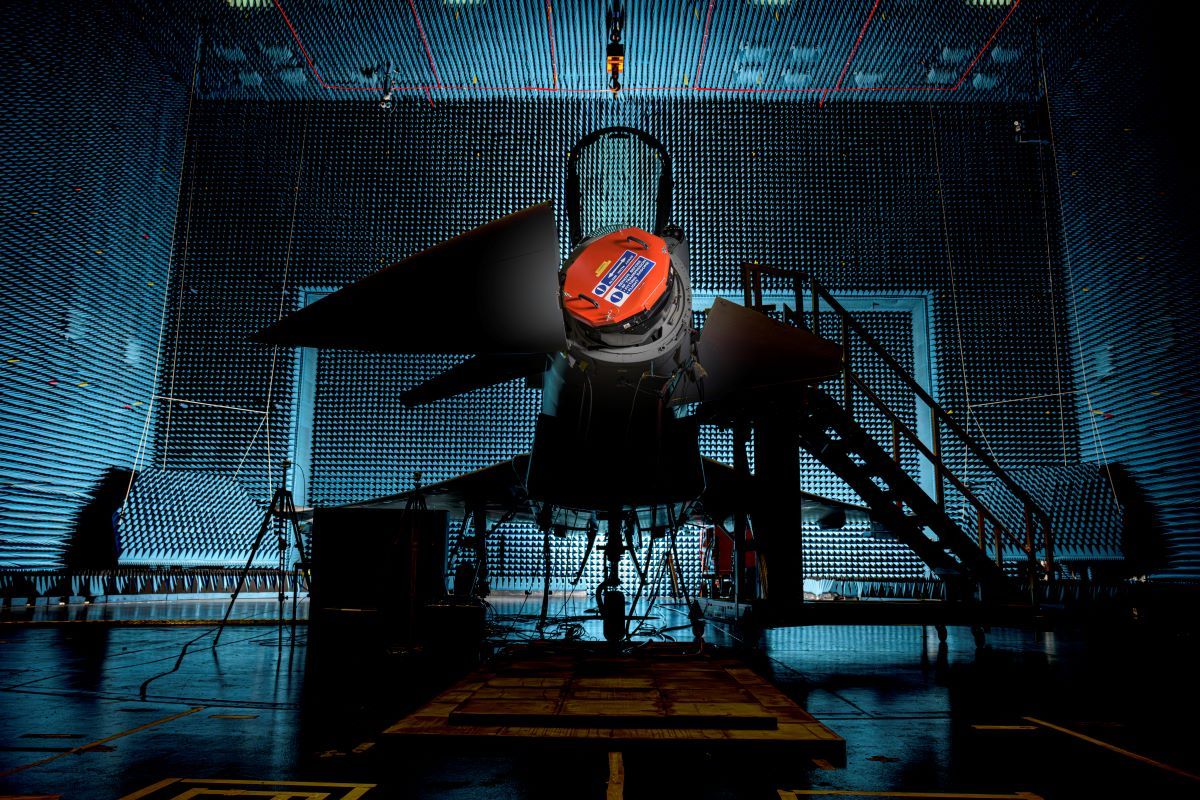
x=582 y=693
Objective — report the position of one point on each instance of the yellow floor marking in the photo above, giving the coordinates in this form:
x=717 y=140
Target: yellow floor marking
x=357 y=790
x=364 y=747
x=319 y=785
x=616 y=777
x=283 y=790
x=272 y=793
x=151 y=789
x=1005 y=727
x=99 y=742
x=792 y=794
x=1112 y=747
x=822 y=763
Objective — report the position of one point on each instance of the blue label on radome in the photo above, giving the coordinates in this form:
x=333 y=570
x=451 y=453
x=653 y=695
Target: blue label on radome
x=631 y=280
x=614 y=272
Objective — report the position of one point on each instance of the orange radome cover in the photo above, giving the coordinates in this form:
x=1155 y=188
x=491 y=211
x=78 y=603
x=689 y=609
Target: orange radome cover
x=622 y=275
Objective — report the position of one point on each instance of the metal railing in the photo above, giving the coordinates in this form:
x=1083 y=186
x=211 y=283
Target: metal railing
x=990 y=531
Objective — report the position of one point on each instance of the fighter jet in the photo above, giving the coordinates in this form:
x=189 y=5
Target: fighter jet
x=608 y=337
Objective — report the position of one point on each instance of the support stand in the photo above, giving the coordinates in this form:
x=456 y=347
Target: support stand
x=776 y=511
x=545 y=581
x=281 y=512
x=413 y=508
x=610 y=600
x=744 y=585
x=416 y=500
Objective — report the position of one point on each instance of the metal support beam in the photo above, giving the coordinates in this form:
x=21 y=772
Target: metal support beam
x=776 y=509
x=744 y=583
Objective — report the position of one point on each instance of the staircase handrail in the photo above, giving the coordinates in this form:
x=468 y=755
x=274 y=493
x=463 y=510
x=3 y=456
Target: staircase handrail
x=752 y=288
x=900 y=426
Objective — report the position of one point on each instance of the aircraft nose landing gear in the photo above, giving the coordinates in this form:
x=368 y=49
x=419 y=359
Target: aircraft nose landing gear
x=612 y=612
x=610 y=601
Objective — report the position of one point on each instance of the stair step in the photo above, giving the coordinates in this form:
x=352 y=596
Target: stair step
x=901 y=508
x=835 y=446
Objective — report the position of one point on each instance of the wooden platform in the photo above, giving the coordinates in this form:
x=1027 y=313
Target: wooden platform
x=582 y=694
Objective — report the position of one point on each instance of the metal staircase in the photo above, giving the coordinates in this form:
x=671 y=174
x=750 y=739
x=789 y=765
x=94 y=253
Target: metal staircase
x=965 y=542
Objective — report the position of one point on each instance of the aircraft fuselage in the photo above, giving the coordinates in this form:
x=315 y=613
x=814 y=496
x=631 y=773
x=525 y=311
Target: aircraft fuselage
x=608 y=434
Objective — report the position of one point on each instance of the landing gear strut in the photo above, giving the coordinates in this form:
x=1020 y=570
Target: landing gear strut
x=609 y=599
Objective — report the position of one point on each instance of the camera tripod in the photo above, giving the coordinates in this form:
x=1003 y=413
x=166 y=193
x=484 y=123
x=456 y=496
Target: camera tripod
x=280 y=514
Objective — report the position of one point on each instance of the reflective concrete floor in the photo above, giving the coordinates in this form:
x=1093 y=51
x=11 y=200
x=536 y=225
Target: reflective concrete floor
x=1063 y=714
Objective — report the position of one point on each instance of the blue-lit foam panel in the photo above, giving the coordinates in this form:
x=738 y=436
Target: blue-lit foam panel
x=848 y=192
x=839 y=50
x=92 y=139
x=1089 y=523
x=1131 y=238
x=194 y=519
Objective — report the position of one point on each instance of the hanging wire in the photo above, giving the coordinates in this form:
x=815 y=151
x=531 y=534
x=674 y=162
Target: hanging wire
x=162 y=320
x=962 y=359
x=1067 y=262
x=183 y=262
x=1058 y=371
x=287 y=263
